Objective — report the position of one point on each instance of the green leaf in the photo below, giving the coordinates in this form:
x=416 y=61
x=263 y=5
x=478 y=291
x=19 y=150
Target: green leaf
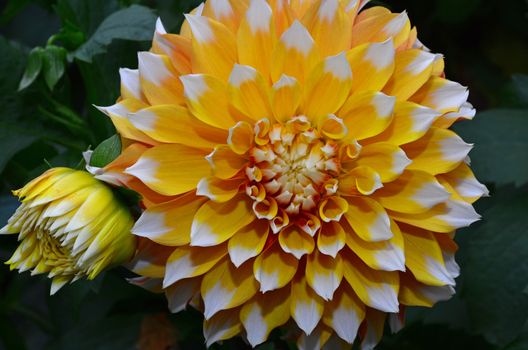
x=70 y=36
x=106 y=152
x=133 y=23
x=12 y=8
x=33 y=68
x=432 y=337
x=14 y=138
x=501 y=145
x=85 y=15
x=520 y=83
x=10 y=337
x=496 y=269
x=8 y=205
x=54 y=59
x=112 y=333
x=521 y=343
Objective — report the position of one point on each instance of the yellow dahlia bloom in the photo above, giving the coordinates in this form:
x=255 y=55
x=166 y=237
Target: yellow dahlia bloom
x=70 y=225
x=298 y=164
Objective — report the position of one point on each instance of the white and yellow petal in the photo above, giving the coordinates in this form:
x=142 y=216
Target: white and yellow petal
x=214 y=49
x=187 y=261
x=295 y=54
x=215 y=223
x=166 y=174
x=169 y=223
x=372 y=65
x=264 y=313
x=274 y=268
x=327 y=87
x=324 y=274
x=226 y=287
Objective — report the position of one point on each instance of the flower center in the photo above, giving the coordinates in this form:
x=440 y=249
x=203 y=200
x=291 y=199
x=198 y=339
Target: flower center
x=291 y=168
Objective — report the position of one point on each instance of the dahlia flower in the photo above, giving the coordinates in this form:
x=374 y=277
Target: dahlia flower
x=70 y=225
x=296 y=164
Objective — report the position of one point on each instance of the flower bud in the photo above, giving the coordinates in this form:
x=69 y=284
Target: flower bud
x=70 y=225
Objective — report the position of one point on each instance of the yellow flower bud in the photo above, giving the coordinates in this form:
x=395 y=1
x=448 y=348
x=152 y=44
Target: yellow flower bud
x=70 y=225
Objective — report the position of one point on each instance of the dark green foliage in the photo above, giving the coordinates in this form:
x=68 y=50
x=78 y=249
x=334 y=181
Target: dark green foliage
x=132 y=23
x=496 y=269
x=60 y=57
x=107 y=151
x=501 y=145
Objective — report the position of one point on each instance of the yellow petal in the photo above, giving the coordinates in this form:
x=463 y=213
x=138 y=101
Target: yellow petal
x=351 y=8
x=332 y=208
x=381 y=26
x=331 y=238
x=372 y=65
x=324 y=274
x=443 y=95
x=180 y=293
x=218 y=190
x=248 y=92
x=214 y=48
x=445 y=217
x=131 y=85
x=159 y=80
x=240 y=138
x=295 y=241
x=174 y=124
x=285 y=98
x=368 y=219
x=207 y=99
x=438 y=152
x=375 y=323
x=367 y=114
x=150 y=259
x=224 y=325
x=226 y=287
x=225 y=163
x=410 y=122
x=169 y=223
x=412 y=70
x=176 y=47
x=333 y=127
x=171 y=169
x=274 y=268
x=119 y=113
x=385 y=255
x=295 y=54
x=300 y=7
x=424 y=257
x=282 y=14
x=306 y=306
x=316 y=339
x=388 y=160
x=414 y=293
x=248 y=242
x=256 y=37
x=264 y=313
x=466 y=111
x=377 y=289
x=360 y=180
x=185 y=29
x=215 y=223
x=329 y=25
x=413 y=192
x=187 y=261
x=463 y=181
x=344 y=314
x=327 y=87
x=227 y=12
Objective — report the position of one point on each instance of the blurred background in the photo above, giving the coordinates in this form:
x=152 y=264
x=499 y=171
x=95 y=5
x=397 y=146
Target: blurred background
x=58 y=58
